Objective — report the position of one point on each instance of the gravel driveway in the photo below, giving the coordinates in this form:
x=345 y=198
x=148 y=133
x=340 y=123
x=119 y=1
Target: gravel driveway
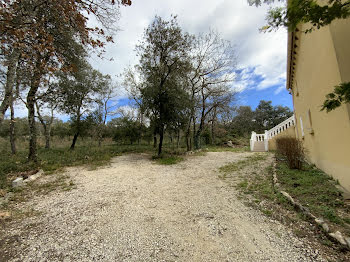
x=136 y=210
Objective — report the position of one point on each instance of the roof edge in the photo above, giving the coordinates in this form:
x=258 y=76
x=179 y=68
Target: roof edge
x=290 y=50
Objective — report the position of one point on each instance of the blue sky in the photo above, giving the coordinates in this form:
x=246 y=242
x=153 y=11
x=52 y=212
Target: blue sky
x=254 y=89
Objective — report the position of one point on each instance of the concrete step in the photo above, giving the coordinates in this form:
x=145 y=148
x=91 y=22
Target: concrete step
x=259 y=146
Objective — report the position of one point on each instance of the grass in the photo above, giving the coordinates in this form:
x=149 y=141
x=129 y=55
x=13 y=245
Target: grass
x=315 y=190
x=56 y=158
x=311 y=187
x=86 y=153
x=238 y=165
x=168 y=159
x=211 y=148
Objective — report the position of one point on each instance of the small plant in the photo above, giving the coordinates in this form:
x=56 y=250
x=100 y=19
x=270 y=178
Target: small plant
x=292 y=149
x=167 y=159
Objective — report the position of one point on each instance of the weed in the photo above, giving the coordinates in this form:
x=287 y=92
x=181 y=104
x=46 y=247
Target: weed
x=327 y=242
x=292 y=149
x=236 y=166
x=168 y=160
x=227 y=149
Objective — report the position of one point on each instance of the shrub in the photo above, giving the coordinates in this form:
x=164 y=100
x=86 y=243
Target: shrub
x=292 y=149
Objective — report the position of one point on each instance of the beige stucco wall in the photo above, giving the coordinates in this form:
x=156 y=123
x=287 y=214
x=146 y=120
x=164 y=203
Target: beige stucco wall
x=290 y=132
x=323 y=61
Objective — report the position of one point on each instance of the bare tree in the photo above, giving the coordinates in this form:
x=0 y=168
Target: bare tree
x=105 y=108
x=213 y=65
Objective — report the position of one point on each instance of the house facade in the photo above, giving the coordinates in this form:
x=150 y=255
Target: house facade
x=317 y=62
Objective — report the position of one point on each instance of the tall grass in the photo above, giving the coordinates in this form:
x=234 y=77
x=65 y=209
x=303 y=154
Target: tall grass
x=292 y=149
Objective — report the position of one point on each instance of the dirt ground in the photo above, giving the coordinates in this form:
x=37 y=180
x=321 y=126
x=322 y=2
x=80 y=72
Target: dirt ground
x=137 y=210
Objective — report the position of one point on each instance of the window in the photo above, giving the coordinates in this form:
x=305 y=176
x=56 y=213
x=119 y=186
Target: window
x=310 y=129
x=301 y=127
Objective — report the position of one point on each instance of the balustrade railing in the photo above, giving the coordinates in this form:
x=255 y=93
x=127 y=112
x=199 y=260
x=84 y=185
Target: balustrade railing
x=271 y=133
x=281 y=127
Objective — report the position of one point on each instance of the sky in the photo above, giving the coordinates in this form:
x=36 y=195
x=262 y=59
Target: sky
x=261 y=57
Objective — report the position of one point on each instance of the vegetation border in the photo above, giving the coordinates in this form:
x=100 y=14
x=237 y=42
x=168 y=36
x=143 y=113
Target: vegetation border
x=336 y=236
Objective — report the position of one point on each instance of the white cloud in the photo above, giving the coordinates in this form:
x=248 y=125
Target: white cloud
x=235 y=20
x=264 y=53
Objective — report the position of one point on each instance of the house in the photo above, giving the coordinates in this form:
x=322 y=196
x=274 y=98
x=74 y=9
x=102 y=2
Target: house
x=317 y=62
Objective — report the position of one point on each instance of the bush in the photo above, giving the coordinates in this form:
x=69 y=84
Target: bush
x=292 y=149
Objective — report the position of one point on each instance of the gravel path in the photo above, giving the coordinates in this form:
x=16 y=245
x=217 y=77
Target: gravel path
x=136 y=210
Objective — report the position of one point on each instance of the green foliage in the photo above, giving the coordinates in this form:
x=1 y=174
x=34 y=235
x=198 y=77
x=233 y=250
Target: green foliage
x=243 y=123
x=304 y=11
x=127 y=129
x=341 y=94
x=168 y=160
x=263 y=118
x=267 y=116
x=21 y=127
x=235 y=166
x=163 y=64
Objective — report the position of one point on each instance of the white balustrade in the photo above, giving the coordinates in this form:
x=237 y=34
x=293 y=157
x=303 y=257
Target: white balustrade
x=271 y=133
x=281 y=127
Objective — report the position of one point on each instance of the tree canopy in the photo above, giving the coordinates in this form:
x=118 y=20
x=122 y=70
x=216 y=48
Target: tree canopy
x=294 y=12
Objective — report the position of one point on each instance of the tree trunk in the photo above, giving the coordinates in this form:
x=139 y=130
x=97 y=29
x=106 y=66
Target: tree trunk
x=100 y=136
x=46 y=125
x=12 y=129
x=78 y=114
x=188 y=135
x=194 y=130
x=32 y=156
x=154 y=140
x=34 y=86
x=74 y=140
x=161 y=136
x=213 y=128
x=10 y=81
x=48 y=137
x=197 y=142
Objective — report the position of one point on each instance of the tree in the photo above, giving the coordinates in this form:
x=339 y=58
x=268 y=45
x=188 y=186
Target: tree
x=47 y=100
x=127 y=127
x=163 y=64
x=243 y=123
x=78 y=93
x=295 y=12
x=36 y=32
x=267 y=116
x=213 y=62
x=104 y=109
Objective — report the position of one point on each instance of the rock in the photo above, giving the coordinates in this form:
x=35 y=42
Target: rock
x=325 y=227
x=288 y=197
x=35 y=176
x=347 y=240
x=18 y=182
x=2 y=192
x=5 y=214
x=319 y=221
x=338 y=236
